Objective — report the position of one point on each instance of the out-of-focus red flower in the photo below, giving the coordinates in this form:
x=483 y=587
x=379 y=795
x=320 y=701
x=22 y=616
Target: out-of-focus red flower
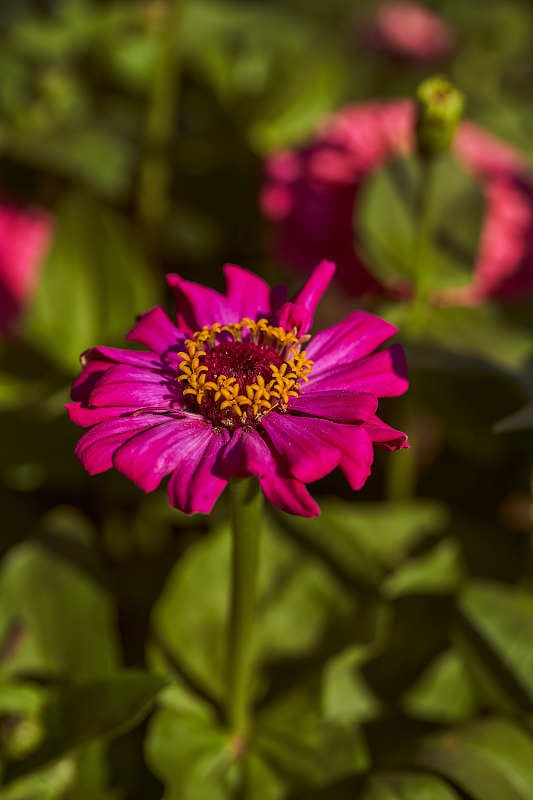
x=310 y=194
x=24 y=239
x=409 y=31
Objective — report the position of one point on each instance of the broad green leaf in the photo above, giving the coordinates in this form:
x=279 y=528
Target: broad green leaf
x=388 y=219
x=443 y=692
x=193 y=755
x=496 y=641
x=346 y=697
x=49 y=783
x=438 y=571
x=93 y=284
x=406 y=786
x=489 y=760
x=297 y=600
x=84 y=712
x=75 y=638
x=294 y=734
x=366 y=540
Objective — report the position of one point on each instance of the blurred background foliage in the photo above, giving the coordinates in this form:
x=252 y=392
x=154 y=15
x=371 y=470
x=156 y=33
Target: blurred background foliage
x=394 y=639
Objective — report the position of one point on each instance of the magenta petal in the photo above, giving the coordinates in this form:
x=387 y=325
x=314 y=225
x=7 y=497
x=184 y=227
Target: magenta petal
x=383 y=374
x=358 y=457
x=81 y=415
x=246 y=454
x=128 y=386
x=193 y=486
x=155 y=330
x=339 y=406
x=116 y=355
x=91 y=373
x=384 y=436
x=151 y=454
x=303 y=445
x=289 y=495
x=247 y=293
x=299 y=313
x=198 y=306
x=355 y=337
x=96 y=447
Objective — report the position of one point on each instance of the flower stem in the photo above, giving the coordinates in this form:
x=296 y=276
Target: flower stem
x=422 y=266
x=246 y=504
x=154 y=180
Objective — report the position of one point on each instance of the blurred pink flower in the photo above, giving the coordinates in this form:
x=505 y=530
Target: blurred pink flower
x=408 y=30
x=228 y=391
x=24 y=239
x=310 y=194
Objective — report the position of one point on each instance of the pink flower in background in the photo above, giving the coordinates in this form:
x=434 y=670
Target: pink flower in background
x=410 y=31
x=24 y=240
x=237 y=387
x=310 y=194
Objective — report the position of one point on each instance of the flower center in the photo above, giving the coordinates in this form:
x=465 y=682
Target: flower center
x=235 y=374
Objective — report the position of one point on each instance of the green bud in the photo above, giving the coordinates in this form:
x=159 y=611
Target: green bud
x=439 y=109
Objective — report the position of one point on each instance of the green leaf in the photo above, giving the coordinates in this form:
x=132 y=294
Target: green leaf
x=366 y=540
x=496 y=642
x=443 y=692
x=489 y=760
x=93 y=284
x=75 y=638
x=438 y=571
x=192 y=754
x=406 y=786
x=295 y=735
x=49 y=783
x=297 y=600
x=388 y=219
x=86 y=712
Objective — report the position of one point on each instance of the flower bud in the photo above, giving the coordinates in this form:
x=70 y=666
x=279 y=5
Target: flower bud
x=439 y=109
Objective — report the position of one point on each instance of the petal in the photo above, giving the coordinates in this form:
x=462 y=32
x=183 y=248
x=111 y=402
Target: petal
x=89 y=376
x=80 y=414
x=355 y=337
x=383 y=374
x=339 y=406
x=247 y=293
x=302 y=445
x=151 y=454
x=95 y=449
x=116 y=355
x=246 y=454
x=194 y=487
x=289 y=495
x=140 y=388
x=358 y=457
x=299 y=313
x=384 y=436
x=155 y=330
x=197 y=306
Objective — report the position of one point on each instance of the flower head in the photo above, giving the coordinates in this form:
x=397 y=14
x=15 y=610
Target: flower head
x=310 y=195
x=409 y=31
x=24 y=240
x=237 y=387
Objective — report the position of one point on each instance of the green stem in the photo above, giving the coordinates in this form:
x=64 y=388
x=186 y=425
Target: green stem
x=155 y=174
x=246 y=504
x=401 y=475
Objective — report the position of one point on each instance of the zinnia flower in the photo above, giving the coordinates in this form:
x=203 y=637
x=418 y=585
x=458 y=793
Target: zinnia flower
x=24 y=240
x=236 y=388
x=310 y=195
x=409 y=31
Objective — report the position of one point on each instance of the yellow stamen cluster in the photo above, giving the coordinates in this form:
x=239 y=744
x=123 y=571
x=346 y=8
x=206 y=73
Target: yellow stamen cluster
x=244 y=404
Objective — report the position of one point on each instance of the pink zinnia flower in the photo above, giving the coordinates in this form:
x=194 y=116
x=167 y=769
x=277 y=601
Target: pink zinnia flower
x=310 y=195
x=229 y=391
x=408 y=30
x=24 y=240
